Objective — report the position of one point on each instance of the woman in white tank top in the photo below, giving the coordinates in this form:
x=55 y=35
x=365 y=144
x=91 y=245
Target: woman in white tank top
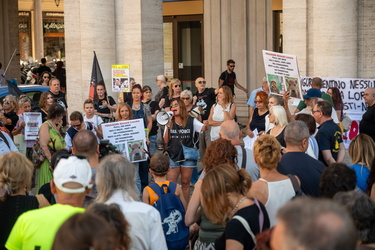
x=272 y=189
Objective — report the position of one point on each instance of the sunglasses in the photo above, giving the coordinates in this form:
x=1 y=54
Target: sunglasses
x=231 y=66
x=6 y=101
x=314 y=111
x=45 y=77
x=200 y=82
x=258 y=101
x=174 y=105
x=185 y=98
x=177 y=86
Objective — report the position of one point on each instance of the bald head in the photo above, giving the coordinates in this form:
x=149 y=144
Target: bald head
x=229 y=130
x=85 y=143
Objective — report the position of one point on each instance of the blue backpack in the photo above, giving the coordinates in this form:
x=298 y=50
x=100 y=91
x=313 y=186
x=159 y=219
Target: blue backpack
x=172 y=214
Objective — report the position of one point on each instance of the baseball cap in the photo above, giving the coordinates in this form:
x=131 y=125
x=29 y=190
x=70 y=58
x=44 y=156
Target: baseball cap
x=313 y=93
x=75 y=170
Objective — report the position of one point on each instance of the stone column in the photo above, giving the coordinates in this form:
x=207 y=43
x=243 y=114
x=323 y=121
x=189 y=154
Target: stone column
x=89 y=26
x=139 y=39
x=323 y=35
x=38 y=30
x=239 y=30
x=9 y=36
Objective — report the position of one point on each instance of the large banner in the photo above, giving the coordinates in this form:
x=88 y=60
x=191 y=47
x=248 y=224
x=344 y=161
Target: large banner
x=282 y=73
x=352 y=90
x=129 y=137
x=121 y=78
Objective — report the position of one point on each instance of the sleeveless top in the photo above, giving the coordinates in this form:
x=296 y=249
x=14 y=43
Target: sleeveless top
x=258 y=121
x=218 y=115
x=279 y=193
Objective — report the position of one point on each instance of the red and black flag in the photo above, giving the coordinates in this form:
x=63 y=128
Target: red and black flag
x=96 y=77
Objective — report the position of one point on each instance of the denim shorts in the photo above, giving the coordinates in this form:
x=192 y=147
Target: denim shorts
x=186 y=164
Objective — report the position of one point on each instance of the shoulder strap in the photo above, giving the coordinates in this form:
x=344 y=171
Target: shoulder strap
x=261 y=215
x=5 y=139
x=243 y=157
x=295 y=184
x=246 y=226
x=172 y=187
x=157 y=189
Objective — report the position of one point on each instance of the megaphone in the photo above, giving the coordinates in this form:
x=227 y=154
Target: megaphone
x=164 y=117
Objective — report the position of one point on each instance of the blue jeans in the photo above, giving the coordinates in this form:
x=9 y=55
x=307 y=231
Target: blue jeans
x=152 y=146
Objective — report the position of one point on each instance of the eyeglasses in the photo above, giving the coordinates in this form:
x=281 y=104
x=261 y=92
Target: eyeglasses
x=45 y=77
x=77 y=126
x=185 y=98
x=202 y=82
x=177 y=86
x=314 y=111
x=258 y=101
x=231 y=66
x=6 y=101
x=174 y=105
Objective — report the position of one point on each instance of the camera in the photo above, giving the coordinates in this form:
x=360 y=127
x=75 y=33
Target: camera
x=106 y=148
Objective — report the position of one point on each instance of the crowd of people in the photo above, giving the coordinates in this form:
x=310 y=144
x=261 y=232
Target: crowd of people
x=291 y=190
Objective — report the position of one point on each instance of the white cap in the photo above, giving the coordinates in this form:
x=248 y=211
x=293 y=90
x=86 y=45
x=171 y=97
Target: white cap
x=75 y=170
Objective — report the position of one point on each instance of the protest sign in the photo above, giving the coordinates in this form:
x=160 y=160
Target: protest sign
x=33 y=121
x=352 y=90
x=282 y=73
x=121 y=78
x=129 y=137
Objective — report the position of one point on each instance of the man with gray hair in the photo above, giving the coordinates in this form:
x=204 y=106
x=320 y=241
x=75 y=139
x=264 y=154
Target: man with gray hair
x=229 y=130
x=296 y=162
x=313 y=224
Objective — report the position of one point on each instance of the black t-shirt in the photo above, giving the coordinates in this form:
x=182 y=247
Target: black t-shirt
x=61 y=75
x=305 y=167
x=177 y=135
x=258 y=121
x=205 y=100
x=14 y=118
x=229 y=79
x=42 y=68
x=236 y=231
x=367 y=124
x=60 y=99
x=104 y=109
x=154 y=106
x=328 y=137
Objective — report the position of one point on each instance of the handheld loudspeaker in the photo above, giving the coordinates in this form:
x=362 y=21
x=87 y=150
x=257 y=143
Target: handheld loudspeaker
x=164 y=117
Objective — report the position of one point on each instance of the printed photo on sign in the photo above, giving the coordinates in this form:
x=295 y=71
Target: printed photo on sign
x=293 y=87
x=136 y=151
x=275 y=84
x=121 y=78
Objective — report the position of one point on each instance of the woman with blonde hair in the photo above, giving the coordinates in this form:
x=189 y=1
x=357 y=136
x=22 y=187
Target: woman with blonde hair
x=225 y=201
x=174 y=92
x=115 y=184
x=224 y=109
x=10 y=118
x=272 y=189
x=219 y=152
x=361 y=152
x=16 y=172
x=124 y=112
x=278 y=117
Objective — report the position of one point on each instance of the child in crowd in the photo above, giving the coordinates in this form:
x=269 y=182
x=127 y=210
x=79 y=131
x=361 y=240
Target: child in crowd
x=90 y=117
x=25 y=106
x=159 y=167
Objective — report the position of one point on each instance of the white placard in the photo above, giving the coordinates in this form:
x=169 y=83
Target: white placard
x=33 y=121
x=282 y=73
x=129 y=137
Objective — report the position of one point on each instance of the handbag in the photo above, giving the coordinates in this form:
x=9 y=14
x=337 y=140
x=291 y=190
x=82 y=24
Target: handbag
x=346 y=123
x=190 y=154
x=38 y=155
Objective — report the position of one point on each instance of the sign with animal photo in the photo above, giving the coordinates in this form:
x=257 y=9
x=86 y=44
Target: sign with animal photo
x=129 y=137
x=121 y=78
x=282 y=74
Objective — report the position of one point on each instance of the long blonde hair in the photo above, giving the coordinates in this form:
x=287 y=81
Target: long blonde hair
x=16 y=172
x=362 y=150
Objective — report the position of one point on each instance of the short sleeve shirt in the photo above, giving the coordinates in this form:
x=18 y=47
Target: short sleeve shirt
x=328 y=137
x=103 y=109
x=229 y=79
x=205 y=100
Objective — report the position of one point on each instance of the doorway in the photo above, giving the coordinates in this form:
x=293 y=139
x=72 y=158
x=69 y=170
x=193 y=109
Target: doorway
x=183 y=49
